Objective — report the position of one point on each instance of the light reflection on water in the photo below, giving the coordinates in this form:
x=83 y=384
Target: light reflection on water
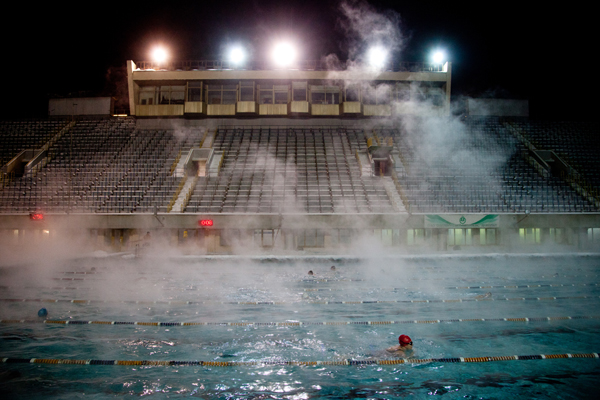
x=429 y=280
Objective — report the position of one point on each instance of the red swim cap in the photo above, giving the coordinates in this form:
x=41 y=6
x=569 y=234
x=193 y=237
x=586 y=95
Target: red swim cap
x=404 y=340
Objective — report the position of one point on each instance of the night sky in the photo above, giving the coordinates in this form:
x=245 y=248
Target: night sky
x=505 y=50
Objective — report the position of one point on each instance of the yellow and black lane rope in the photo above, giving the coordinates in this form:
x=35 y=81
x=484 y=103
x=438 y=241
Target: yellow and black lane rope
x=57 y=361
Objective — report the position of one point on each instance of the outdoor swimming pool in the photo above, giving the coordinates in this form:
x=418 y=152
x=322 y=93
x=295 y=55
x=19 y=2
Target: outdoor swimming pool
x=230 y=327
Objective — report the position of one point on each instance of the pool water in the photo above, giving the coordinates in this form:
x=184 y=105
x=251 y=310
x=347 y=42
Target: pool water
x=248 y=311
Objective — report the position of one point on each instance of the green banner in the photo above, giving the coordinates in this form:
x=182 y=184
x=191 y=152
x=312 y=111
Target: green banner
x=462 y=221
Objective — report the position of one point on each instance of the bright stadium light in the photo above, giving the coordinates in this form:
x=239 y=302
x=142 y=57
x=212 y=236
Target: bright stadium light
x=237 y=55
x=438 y=57
x=284 y=54
x=377 y=56
x=159 y=55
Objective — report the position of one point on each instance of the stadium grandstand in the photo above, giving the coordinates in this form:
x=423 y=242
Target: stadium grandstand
x=217 y=160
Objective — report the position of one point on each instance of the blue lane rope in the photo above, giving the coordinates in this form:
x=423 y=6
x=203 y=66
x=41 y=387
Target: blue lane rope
x=57 y=361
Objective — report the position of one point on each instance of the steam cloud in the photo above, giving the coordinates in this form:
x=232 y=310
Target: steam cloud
x=364 y=26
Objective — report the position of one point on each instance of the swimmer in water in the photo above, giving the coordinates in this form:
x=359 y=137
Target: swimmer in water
x=404 y=348
x=332 y=268
x=484 y=296
x=310 y=273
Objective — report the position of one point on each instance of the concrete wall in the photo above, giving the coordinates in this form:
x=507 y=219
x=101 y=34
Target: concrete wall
x=81 y=106
x=159 y=110
x=213 y=123
x=498 y=107
x=369 y=234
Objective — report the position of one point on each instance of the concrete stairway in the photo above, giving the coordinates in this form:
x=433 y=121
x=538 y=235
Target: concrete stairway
x=392 y=193
x=184 y=195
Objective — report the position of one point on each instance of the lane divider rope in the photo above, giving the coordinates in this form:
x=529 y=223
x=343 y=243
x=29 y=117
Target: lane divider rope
x=398 y=361
x=462 y=287
x=290 y=323
x=420 y=267
x=176 y=302
x=319 y=280
x=391 y=289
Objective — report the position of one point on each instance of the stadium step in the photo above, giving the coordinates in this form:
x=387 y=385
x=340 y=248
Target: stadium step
x=185 y=194
x=393 y=194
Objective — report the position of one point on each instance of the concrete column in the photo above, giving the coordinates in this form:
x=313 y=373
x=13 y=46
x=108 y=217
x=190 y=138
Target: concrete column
x=476 y=237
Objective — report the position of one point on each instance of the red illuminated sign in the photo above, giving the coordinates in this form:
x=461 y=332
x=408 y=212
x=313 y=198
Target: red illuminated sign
x=205 y=222
x=36 y=216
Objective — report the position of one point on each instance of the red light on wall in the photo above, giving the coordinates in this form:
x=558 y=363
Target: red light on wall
x=36 y=216
x=205 y=222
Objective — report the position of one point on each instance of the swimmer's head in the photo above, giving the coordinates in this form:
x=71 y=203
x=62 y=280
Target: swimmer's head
x=333 y=268
x=405 y=340
x=310 y=272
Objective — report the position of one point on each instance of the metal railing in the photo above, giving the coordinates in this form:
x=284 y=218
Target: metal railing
x=311 y=65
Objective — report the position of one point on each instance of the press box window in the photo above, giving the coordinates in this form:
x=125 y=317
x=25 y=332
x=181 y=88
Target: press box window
x=171 y=94
x=432 y=93
x=273 y=94
x=299 y=91
x=246 y=91
x=437 y=99
x=352 y=93
x=221 y=94
x=324 y=95
x=378 y=95
x=402 y=92
x=194 y=91
x=147 y=95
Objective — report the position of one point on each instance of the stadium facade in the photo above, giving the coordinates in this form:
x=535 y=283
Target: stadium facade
x=315 y=159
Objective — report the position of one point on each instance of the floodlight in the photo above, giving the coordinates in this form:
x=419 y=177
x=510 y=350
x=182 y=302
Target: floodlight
x=237 y=55
x=438 y=57
x=284 y=54
x=159 y=55
x=377 y=56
